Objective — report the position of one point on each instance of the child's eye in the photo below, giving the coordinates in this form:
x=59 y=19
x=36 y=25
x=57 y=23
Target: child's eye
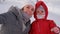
x=42 y=11
x=37 y=11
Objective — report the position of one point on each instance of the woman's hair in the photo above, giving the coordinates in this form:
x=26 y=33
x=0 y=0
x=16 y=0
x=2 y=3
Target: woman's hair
x=23 y=8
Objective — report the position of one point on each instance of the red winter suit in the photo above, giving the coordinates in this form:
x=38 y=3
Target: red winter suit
x=42 y=26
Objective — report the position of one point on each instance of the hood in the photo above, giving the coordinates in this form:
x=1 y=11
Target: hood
x=38 y=4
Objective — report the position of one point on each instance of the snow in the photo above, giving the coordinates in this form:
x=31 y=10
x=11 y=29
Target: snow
x=53 y=7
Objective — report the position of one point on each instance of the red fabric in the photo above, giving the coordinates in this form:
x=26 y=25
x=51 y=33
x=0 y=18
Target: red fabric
x=44 y=6
x=42 y=26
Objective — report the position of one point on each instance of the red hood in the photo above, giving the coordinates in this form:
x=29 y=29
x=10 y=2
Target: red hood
x=44 y=6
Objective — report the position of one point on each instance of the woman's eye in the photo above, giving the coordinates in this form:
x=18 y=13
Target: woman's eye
x=28 y=7
x=32 y=9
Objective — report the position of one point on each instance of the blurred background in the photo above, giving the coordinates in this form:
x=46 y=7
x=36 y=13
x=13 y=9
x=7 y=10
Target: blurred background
x=53 y=7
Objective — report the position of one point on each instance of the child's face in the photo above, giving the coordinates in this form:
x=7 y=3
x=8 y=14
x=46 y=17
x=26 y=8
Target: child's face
x=29 y=9
x=40 y=13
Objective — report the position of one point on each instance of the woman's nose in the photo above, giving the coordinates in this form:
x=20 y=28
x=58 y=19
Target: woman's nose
x=30 y=12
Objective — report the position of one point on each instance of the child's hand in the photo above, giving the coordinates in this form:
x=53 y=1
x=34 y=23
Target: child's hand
x=55 y=29
x=59 y=33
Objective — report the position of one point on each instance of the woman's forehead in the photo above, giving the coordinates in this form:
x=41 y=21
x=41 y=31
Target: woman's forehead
x=29 y=5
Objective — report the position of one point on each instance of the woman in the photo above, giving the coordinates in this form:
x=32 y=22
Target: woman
x=17 y=20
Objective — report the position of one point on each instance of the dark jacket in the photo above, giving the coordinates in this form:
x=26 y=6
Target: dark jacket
x=13 y=22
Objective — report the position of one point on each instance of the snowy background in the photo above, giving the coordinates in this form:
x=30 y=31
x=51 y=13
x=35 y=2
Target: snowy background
x=53 y=6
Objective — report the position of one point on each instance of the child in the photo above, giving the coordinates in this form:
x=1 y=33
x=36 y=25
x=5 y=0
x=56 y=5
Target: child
x=42 y=25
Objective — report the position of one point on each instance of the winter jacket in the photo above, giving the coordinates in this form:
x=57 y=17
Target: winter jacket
x=42 y=26
x=12 y=22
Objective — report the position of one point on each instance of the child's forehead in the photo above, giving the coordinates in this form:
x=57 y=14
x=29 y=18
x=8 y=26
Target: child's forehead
x=41 y=8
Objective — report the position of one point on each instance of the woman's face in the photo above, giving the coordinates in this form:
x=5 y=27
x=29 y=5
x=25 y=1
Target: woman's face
x=29 y=9
x=40 y=13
